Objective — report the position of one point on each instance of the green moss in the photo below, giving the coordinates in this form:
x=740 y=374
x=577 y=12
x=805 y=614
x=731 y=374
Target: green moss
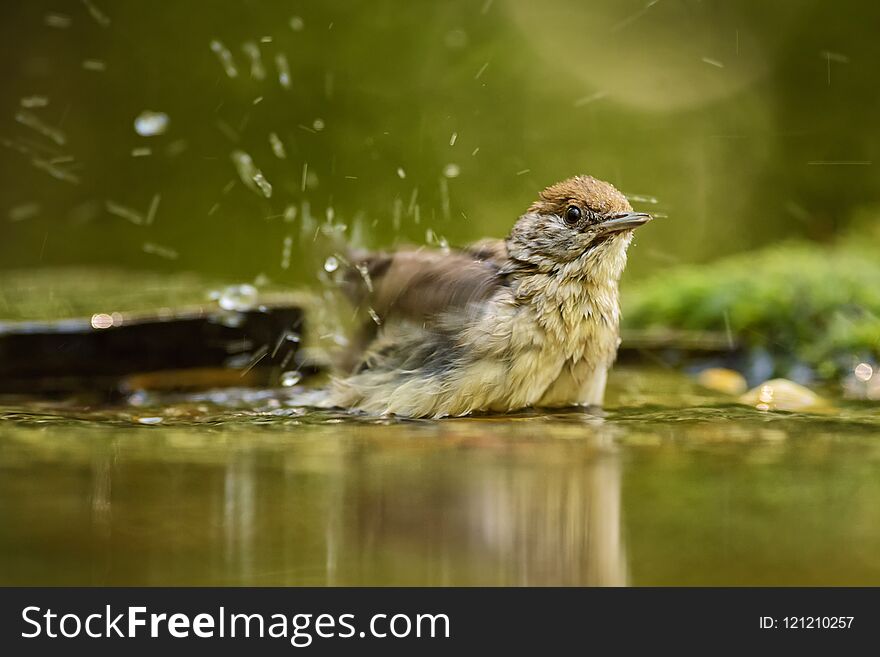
x=57 y=293
x=802 y=303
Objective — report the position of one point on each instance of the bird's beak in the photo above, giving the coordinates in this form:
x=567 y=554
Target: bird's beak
x=623 y=221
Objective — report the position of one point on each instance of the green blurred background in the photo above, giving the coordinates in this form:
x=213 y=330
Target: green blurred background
x=739 y=123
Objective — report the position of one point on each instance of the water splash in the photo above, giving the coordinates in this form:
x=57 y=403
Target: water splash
x=55 y=171
x=239 y=298
x=150 y=124
x=161 y=251
x=286 y=250
x=283 y=70
x=100 y=17
x=124 y=212
x=58 y=21
x=24 y=211
x=95 y=65
x=250 y=175
x=451 y=170
x=31 y=102
x=32 y=121
x=863 y=371
x=277 y=146
x=225 y=58
x=252 y=51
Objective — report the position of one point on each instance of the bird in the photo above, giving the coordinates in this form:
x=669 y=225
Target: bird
x=501 y=325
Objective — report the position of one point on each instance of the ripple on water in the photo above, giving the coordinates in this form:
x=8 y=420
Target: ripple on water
x=242 y=408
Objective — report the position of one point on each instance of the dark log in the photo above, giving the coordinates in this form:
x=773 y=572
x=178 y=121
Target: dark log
x=195 y=348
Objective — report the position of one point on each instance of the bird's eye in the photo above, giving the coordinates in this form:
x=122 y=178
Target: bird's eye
x=572 y=215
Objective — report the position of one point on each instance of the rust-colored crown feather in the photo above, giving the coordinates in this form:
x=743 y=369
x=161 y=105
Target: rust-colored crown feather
x=584 y=191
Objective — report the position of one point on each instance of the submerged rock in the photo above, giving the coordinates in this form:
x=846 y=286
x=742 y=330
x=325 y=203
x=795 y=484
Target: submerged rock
x=784 y=395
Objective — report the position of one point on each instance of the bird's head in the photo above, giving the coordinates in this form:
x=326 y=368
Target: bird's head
x=578 y=227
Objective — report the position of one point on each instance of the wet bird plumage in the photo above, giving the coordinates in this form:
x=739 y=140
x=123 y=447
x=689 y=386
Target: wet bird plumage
x=504 y=324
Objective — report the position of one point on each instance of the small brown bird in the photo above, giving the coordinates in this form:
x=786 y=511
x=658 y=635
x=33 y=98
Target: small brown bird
x=504 y=324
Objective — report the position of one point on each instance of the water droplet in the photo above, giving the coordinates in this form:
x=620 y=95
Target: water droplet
x=59 y=21
x=34 y=101
x=100 y=17
x=33 y=122
x=149 y=420
x=365 y=274
x=159 y=250
x=451 y=170
x=123 y=212
x=252 y=51
x=285 y=252
x=318 y=124
x=250 y=175
x=864 y=372
x=277 y=146
x=24 y=211
x=401 y=173
x=289 y=379
x=225 y=58
x=101 y=321
x=150 y=124
x=283 y=70
x=331 y=264
x=296 y=23
x=238 y=297
x=94 y=65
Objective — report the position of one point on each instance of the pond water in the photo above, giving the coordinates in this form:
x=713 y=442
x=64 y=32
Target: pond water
x=243 y=488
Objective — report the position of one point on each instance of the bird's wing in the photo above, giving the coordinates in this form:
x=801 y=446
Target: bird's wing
x=421 y=283
x=490 y=250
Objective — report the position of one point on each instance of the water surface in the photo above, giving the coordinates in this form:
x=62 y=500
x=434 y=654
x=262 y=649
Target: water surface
x=240 y=488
